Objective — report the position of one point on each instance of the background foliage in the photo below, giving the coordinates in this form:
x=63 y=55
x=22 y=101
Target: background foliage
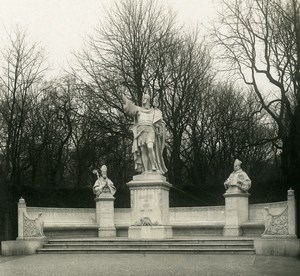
x=54 y=133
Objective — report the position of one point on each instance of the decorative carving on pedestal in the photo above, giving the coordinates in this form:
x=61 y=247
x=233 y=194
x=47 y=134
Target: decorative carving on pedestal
x=29 y=228
x=276 y=224
x=33 y=227
x=145 y=222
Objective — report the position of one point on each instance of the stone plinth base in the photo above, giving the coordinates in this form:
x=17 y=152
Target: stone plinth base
x=278 y=246
x=105 y=215
x=149 y=196
x=107 y=232
x=236 y=211
x=232 y=231
x=22 y=247
x=150 y=232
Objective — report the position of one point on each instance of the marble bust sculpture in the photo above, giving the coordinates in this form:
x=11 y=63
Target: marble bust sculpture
x=103 y=184
x=238 y=178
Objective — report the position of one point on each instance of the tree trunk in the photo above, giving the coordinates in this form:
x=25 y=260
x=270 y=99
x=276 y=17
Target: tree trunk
x=176 y=162
x=290 y=160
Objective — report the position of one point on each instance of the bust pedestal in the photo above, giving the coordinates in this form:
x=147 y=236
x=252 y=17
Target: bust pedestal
x=149 y=196
x=236 y=210
x=105 y=215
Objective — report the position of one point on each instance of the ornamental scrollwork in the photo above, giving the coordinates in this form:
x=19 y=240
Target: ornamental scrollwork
x=145 y=221
x=33 y=227
x=276 y=224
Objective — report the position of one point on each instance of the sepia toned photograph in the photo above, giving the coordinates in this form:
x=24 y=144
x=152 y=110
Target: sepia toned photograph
x=149 y=137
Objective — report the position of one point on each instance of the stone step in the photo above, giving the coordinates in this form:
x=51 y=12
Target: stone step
x=165 y=241
x=185 y=242
x=146 y=250
x=119 y=245
x=87 y=246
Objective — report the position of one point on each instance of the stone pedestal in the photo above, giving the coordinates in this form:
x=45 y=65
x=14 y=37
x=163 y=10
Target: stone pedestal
x=292 y=225
x=277 y=245
x=21 y=211
x=105 y=215
x=30 y=234
x=150 y=232
x=22 y=246
x=149 y=195
x=236 y=211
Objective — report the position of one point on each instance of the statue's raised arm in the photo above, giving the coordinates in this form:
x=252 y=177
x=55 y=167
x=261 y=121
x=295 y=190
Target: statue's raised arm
x=129 y=107
x=124 y=98
x=148 y=136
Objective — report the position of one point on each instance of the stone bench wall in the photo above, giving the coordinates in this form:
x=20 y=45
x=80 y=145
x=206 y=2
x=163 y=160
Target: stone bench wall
x=64 y=216
x=179 y=216
x=274 y=225
x=257 y=211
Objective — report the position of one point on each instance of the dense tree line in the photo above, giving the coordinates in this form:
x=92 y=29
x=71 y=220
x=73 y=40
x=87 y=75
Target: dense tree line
x=53 y=133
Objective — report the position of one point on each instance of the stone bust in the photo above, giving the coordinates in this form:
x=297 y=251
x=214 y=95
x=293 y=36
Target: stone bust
x=103 y=184
x=238 y=178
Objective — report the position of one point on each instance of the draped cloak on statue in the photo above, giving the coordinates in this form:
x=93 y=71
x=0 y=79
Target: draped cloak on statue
x=148 y=127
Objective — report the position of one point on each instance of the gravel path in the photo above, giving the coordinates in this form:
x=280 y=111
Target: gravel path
x=148 y=264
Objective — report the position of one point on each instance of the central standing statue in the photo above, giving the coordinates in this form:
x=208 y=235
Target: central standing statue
x=149 y=134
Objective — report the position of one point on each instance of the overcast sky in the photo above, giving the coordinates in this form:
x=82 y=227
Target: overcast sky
x=61 y=25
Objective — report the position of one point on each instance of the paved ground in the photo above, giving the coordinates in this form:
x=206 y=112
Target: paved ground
x=148 y=264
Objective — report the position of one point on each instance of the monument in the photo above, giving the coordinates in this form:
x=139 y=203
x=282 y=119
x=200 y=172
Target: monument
x=104 y=190
x=236 y=200
x=149 y=190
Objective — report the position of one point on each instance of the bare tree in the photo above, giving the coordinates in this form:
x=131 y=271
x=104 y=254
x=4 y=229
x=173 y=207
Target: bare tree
x=21 y=70
x=121 y=50
x=139 y=49
x=260 y=39
x=228 y=127
x=184 y=80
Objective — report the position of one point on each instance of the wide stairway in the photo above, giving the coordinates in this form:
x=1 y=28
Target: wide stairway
x=123 y=245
